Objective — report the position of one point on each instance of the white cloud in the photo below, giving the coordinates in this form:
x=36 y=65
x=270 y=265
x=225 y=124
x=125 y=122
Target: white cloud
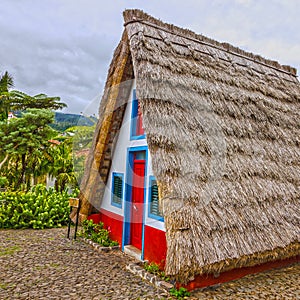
x=64 y=47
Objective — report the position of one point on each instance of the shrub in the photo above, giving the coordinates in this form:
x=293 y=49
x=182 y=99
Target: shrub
x=181 y=293
x=96 y=233
x=154 y=269
x=38 y=208
x=3 y=182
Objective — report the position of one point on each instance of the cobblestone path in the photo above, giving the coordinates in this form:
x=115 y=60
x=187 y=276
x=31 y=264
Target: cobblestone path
x=276 y=284
x=44 y=264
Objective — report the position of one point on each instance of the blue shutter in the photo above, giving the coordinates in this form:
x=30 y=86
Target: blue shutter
x=154 y=200
x=117 y=189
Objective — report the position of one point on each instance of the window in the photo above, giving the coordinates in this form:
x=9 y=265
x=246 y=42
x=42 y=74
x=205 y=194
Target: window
x=137 y=130
x=154 y=200
x=117 y=189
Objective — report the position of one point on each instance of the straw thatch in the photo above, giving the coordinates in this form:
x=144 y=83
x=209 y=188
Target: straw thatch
x=223 y=129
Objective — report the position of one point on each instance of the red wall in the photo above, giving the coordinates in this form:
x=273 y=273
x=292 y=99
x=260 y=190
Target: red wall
x=155 y=246
x=208 y=280
x=112 y=222
x=155 y=240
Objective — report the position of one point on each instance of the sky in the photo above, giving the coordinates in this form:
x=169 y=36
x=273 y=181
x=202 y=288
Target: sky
x=64 y=47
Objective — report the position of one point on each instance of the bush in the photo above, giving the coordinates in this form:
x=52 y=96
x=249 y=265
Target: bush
x=39 y=208
x=3 y=182
x=96 y=233
x=181 y=293
x=154 y=269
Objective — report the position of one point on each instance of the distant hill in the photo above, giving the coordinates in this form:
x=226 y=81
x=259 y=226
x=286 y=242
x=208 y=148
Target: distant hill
x=64 y=121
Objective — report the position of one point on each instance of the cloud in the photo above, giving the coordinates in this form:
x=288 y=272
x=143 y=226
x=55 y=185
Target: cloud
x=63 y=47
x=56 y=55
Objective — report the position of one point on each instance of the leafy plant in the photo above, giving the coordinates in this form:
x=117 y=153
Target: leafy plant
x=39 y=208
x=23 y=146
x=60 y=165
x=3 y=182
x=154 y=269
x=96 y=233
x=180 y=293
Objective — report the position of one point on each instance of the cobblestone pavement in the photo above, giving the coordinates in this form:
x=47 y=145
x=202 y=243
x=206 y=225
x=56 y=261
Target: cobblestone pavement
x=44 y=264
x=276 y=284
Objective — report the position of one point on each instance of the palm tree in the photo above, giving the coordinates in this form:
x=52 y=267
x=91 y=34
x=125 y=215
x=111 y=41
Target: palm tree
x=62 y=168
x=6 y=83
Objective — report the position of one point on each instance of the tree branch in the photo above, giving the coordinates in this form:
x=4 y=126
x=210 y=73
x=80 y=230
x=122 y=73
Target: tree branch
x=3 y=161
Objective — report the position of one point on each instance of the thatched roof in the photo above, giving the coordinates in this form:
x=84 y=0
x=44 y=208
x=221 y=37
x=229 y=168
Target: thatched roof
x=223 y=130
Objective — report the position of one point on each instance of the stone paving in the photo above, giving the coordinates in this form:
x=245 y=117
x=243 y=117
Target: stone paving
x=44 y=264
x=278 y=284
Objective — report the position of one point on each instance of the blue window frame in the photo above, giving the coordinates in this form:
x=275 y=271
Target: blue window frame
x=117 y=189
x=136 y=130
x=153 y=210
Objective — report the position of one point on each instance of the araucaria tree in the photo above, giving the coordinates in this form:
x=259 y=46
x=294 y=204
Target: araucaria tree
x=24 y=144
x=19 y=101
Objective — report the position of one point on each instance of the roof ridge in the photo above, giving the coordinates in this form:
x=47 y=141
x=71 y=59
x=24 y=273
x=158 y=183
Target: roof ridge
x=137 y=15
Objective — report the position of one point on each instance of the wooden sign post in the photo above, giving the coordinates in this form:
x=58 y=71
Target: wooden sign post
x=74 y=203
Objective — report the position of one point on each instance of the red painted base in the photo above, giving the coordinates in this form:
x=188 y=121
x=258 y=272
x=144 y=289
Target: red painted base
x=209 y=280
x=95 y=217
x=156 y=249
x=112 y=222
x=155 y=246
x=155 y=240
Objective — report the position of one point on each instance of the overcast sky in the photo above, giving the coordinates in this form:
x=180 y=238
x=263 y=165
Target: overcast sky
x=64 y=47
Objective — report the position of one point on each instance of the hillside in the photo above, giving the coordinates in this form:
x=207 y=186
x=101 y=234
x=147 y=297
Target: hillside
x=63 y=121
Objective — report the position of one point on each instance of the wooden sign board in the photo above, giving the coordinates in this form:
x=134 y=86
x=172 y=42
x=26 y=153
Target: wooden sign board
x=74 y=202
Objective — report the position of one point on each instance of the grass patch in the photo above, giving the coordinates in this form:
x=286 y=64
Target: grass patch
x=154 y=269
x=3 y=286
x=9 y=251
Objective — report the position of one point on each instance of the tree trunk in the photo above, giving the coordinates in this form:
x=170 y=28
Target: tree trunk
x=3 y=161
x=23 y=169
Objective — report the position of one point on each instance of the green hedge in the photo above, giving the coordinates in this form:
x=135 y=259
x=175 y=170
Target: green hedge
x=39 y=208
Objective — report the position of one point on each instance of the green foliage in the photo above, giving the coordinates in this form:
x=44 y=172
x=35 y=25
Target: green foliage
x=154 y=269
x=21 y=101
x=25 y=141
x=180 y=293
x=6 y=82
x=3 y=182
x=83 y=136
x=25 y=151
x=97 y=233
x=65 y=121
x=16 y=100
x=61 y=165
x=38 y=208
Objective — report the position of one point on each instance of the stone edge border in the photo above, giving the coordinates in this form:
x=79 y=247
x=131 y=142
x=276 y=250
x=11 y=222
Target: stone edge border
x=98 y=247
x=140 y=271
x=134 y=268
